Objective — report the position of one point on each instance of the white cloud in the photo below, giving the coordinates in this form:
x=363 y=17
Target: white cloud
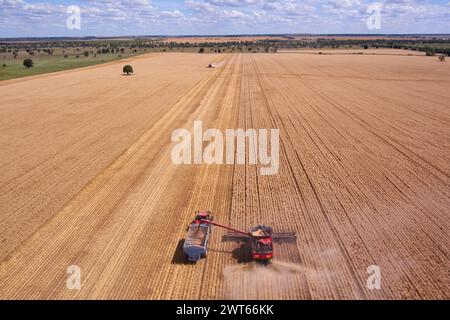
x=100 y=17
x=172 y=14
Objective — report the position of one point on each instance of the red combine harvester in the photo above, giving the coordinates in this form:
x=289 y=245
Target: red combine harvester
x=261 y=238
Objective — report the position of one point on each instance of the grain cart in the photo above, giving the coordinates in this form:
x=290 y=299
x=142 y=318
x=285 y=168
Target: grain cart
x=196 y=244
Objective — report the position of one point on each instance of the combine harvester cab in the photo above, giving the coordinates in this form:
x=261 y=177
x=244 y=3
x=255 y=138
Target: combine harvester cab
x=262 y=244
x=196 y=244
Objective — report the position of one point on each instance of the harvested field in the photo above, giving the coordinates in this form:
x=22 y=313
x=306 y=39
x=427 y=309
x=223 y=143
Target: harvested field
x=208 y=39
x=86 y=178
x=381 y=51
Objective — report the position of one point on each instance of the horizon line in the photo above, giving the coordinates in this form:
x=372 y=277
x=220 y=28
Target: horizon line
x=226 y=35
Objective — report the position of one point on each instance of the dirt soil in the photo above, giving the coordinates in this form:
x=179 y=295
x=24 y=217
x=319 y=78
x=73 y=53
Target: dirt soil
x=86 y=178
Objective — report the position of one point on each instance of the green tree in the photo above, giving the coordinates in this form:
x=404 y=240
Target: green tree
x=28 y=63
x=430 y=52
x=128 y=69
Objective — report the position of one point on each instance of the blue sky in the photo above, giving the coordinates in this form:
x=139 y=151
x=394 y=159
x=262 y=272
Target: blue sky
x=25 y=18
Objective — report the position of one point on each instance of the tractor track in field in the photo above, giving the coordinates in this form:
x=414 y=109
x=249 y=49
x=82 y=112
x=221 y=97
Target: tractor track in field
x=86 y=178
x=314 y=191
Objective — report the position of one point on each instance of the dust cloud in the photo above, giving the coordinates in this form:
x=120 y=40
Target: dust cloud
x=279 y=280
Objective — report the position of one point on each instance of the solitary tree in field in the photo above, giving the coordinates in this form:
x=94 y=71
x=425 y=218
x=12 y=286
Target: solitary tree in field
x=128 y=69
x=28 y=63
